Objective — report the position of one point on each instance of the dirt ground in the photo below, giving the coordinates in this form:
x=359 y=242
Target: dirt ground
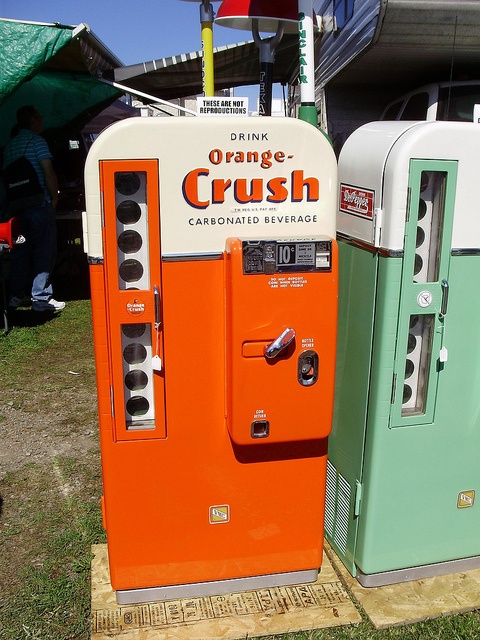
x=48 y=401
x=48 y=415
x=39 y=436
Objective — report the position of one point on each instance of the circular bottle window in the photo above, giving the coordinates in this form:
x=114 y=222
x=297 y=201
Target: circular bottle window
x=420 y=236
x=407 y=393
x=409 y=368
x=424 y=180
x=418 y=264
x=134 y=353
x=136 y=380
x=128 y=212
x=137 y=406
x=127 y=183
x=422 y=209
x=131 y=270
x=134 y=330
x=129 y=241
x=412 y=343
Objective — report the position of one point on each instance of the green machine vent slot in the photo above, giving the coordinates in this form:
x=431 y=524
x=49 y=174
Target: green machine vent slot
x=330 y=499
x=337 y=507
x=343 y=509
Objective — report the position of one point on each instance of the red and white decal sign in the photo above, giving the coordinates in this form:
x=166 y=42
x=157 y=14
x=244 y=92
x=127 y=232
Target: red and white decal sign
x=356 y=201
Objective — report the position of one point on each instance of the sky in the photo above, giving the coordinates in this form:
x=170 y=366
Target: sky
x=134 y=30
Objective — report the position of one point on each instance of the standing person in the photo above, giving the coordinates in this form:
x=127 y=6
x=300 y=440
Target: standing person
x=36 y=256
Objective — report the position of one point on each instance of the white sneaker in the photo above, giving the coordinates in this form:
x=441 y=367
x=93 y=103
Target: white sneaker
x=48 y=305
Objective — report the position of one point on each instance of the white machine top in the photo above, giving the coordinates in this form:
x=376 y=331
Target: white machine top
x=373 y=175
x=223 y=177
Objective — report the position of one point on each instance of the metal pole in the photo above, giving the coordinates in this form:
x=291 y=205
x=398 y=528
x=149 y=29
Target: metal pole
x=206 y=19
x=308 y=110
x=265 y=86
x=267 y=57
x=148 y=96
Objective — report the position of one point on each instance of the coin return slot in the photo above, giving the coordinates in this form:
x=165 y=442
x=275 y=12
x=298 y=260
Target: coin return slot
x=260 y=429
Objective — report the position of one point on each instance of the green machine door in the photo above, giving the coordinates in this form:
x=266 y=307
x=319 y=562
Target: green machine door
x=420 y=353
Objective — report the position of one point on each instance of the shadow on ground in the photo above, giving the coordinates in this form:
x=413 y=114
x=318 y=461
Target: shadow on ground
x=26 y=318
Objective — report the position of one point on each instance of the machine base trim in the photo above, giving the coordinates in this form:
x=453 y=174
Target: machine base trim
x=418 y=573
x=215 y=588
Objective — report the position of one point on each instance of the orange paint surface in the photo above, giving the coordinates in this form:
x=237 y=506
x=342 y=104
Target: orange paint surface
x=195 y=498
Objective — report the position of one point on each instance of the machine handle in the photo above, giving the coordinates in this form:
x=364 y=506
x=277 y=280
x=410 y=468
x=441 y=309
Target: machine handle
x=280 y=343
x=445 y=290
x=156 y=298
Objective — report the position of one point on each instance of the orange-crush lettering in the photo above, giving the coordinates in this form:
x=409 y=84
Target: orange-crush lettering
x=218 y=190
x=256 y=190
x=247 y=190
x=278 y=192
x=298 y=184
x=190 y=188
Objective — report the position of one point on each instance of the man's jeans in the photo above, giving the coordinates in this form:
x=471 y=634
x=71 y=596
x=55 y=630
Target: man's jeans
x=35 y=258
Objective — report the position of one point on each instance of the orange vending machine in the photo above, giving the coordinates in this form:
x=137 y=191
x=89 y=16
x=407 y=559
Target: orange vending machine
x=214 y=294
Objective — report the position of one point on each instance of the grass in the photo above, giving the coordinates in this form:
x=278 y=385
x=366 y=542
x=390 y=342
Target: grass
x=67 y=335
x=49 y=510
x=52 y=598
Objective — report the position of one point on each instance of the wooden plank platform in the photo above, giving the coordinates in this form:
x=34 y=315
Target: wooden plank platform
x=415 y=601
x=322 y=604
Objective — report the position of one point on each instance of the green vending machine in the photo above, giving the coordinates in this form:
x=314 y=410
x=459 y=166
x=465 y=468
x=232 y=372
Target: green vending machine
x=404 y=454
